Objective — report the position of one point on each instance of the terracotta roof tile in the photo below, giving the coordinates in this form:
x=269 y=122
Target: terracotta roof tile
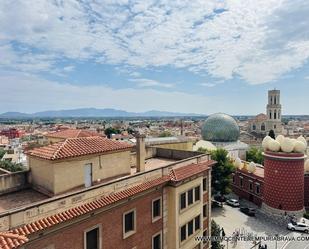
x=88 y=207
x=11 y=241
x=74 y=147
x=74 y=133
x=184 y=172
x=39 y=225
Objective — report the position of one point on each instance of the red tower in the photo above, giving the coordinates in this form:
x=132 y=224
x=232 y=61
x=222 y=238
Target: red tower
x=284 y=181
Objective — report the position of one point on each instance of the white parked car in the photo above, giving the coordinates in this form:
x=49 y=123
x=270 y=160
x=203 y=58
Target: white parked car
x=232 y=202
x=299 y=227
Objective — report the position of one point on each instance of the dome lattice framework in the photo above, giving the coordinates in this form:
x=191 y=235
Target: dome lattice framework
x=220 y=127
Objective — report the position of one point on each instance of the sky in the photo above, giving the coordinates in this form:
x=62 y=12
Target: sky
x=180 y=56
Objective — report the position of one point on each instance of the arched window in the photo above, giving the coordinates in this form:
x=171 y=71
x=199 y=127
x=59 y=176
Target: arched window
x=275 y=100
x=271 y=100
x=253 y=127
x=269 y=114
x=275 y=114
x=263 y=127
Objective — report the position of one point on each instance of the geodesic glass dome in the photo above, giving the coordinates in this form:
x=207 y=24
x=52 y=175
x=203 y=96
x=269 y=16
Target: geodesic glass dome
x=220 y=127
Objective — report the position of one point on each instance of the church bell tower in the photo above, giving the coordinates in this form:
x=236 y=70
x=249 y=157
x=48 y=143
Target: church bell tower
x=273 y=111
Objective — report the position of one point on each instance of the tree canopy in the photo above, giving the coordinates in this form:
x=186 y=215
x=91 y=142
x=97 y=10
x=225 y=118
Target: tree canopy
x=2 y=152
x=216 y=232
x=255 y=155
x=12 y=167
x=110 y=130
x=221 y=172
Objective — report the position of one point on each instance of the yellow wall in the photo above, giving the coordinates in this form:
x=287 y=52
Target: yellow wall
x=177 y=218
x=176 y=146
x=42 y=173
x=52 y=140
x=64 y=175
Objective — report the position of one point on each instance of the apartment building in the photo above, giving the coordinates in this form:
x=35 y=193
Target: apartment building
x=161 y=202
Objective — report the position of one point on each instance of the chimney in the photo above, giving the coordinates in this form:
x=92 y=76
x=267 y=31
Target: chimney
x=140 y=152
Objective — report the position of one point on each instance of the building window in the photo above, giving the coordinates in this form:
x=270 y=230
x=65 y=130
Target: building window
x=269 y=114
x=92 y=238
x=183 y=233
x=190 y=228
x=257 y=188
x=241 y=181
x=190 y=197
x=253 y=127
x=275 y=126
x=205 y=211
x=197 y=223
x=156 y=209
x=129 y=223
x=275 y=115
x=157 y=241
x=197 y=193
x=250 y=185
x=183 y=201
x=204 y=184
x=263 y=127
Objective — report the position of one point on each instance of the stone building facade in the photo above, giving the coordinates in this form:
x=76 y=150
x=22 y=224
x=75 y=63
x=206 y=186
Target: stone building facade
x=263 y=123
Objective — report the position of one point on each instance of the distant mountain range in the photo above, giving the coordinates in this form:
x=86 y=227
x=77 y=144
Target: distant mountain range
x=93 y=112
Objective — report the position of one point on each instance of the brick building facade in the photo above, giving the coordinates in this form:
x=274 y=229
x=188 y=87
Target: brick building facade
x=280 y=185
x=162 y=203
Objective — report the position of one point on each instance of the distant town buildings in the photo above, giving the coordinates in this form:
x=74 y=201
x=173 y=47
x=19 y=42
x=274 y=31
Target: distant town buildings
x=11 y=133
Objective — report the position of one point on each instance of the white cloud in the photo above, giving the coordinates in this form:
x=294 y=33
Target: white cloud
x=208 y=84
x=31 y=93
x=141 y=82
x=257 y=41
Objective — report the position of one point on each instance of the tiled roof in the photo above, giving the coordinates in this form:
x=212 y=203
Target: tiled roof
x=88 y=207
x=184 y=172
x=44 y=223
x=11 y=241
x=259 y=117
x=74 y=147
x=73 y=133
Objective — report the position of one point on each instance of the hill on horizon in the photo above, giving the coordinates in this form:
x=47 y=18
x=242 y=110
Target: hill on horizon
x=93 y=112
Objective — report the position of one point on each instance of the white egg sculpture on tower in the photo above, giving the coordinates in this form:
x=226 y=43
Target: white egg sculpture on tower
x=265 y=142
x=238 y=163
x=251 y=167
x=301 y=138
x=299 y=146
x=279 y=138
x=287 y=145
x=273 y=145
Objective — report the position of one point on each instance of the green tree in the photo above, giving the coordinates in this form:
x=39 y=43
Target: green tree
x=12 y=167
x=2 y=152
x=221 y=172
x=165 y=134
x=216 y=232
x=271 y=133
x=110 y=130
x=255 y=155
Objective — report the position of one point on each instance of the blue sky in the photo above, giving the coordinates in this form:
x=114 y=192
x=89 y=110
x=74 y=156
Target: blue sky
x=181 y=56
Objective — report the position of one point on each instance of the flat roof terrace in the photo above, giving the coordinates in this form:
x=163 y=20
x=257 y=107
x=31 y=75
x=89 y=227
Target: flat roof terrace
x=155 y=163
x=19 y=199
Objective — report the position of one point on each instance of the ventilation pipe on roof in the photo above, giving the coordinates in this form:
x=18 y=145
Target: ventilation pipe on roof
x=140 y=152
